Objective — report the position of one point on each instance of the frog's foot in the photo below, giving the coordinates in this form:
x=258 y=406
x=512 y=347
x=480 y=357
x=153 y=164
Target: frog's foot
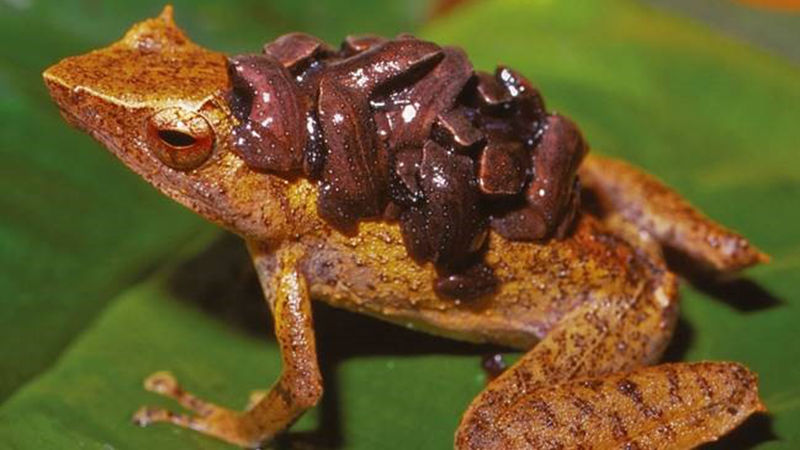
x=164 y=383
x=625 y=191
x=208 y=418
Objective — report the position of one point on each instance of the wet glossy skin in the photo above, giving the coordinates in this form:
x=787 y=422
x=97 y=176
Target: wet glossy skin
x=408 y=131
x=598 y=302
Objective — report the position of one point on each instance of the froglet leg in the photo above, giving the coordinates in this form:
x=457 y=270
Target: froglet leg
x=655 y=208
x=584 y=384
x=299 y=386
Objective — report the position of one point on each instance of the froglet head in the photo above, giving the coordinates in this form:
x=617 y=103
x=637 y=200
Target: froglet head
x=158 y=102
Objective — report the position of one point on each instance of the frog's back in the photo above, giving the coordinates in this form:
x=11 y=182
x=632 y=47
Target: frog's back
x=371 y=273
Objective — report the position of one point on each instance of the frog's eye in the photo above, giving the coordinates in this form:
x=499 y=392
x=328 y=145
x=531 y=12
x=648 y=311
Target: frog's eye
x=180 y=139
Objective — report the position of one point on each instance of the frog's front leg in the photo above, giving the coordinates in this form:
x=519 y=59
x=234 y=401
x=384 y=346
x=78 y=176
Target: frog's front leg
x=299 y=386
x=643 y=200
x=584 y=384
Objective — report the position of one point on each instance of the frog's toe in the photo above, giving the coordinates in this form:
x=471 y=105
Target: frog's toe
x=219 y=423
x=147 y=415
x=164 y=383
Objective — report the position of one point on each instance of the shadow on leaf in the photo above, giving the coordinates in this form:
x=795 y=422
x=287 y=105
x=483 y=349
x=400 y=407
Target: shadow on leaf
x=756 y=430
x=739 y=292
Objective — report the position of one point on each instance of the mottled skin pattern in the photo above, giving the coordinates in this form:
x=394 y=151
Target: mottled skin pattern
x=594 y=308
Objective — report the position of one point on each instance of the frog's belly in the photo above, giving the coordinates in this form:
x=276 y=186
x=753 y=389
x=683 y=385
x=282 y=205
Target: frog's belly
x=539 y=283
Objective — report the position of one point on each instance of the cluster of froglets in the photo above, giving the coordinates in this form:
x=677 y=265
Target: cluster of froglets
x=405 y=130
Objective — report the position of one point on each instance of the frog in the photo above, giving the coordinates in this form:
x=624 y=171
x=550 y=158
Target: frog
x=593 y=307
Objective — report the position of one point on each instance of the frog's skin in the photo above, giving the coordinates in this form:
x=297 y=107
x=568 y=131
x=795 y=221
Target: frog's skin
x=592 y=310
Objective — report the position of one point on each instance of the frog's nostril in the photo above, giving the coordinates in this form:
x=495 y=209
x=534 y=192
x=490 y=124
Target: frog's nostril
x=176 y=138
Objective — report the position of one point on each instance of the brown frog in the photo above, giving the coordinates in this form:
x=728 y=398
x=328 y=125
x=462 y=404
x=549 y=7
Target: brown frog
x=592 y=306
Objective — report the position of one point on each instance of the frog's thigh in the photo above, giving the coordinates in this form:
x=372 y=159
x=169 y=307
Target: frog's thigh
x=297 y=389
x=538 y=403
x=643 y=200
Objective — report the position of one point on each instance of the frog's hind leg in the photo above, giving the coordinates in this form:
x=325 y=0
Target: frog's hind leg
x=643 y=200
x=584 y=385
x=659 y=407
x=297 y=389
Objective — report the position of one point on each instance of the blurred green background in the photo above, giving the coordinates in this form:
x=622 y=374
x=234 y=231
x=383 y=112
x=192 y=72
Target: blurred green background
x=103 y=281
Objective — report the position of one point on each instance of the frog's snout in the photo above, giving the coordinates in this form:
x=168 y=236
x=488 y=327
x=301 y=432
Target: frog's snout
x=77 y=105
x=62 y=94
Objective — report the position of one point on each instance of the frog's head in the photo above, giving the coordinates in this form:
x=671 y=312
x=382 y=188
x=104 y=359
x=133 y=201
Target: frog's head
x=158 y=102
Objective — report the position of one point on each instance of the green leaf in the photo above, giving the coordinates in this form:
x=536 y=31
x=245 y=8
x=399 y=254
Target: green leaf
x=711 y=116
